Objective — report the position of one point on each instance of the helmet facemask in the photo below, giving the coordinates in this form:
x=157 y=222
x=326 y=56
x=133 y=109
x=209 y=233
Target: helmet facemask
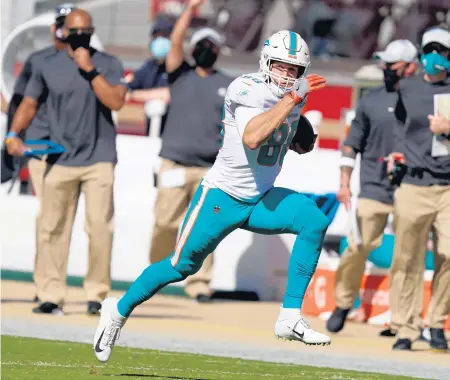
x=277 y=83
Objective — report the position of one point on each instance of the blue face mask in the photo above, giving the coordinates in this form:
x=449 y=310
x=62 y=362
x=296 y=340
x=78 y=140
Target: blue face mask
x=160 y=47
x=434 y=63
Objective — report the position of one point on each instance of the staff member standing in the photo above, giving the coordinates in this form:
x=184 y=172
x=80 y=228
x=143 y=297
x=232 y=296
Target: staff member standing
x=80 y=87
x=422 y=201
x=191 y=139
x=371 y=135
x=39 y=127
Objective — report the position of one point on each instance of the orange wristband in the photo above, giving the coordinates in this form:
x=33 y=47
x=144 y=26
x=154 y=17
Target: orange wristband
x=295 y=96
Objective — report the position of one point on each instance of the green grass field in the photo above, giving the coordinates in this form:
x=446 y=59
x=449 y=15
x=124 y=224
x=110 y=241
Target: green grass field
x=35 y=359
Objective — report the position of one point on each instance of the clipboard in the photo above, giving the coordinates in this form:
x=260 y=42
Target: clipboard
x=441 y=145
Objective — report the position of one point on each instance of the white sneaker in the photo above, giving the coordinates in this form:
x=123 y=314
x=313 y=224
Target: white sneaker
x=292 y=326
x=108 y=330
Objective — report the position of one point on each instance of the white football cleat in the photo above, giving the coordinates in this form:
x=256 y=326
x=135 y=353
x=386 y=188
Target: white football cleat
x=292 y=326
x=108 y=330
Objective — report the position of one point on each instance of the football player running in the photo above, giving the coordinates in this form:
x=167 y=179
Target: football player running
x=261 y=114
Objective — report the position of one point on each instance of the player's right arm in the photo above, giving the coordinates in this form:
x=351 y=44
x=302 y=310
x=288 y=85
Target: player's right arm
x=175 y=57
x=262 y=126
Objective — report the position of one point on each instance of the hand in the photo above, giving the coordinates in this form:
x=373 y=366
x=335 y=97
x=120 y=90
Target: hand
x=392 y=159
x=15 y=146
x=194 y=4
x=439 y=125
x=312 y=82
x=315 y=82
x=82 y=58
x=344 y=195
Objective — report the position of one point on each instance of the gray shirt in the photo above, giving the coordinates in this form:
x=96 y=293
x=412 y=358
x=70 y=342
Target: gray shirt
x=38 y=128
x=192 y=132
x=77 y=119
x=371 y=134
x=413 y=135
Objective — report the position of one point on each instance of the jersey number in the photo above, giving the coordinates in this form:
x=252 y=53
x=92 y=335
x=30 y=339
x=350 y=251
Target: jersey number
x=277 y=146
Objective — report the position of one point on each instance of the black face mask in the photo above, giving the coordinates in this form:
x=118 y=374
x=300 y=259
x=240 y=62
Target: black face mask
x=390 y=79
x=204 y=55
x=78 y=40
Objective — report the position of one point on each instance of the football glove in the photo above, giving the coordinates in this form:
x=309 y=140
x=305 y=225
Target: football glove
x=303 y=87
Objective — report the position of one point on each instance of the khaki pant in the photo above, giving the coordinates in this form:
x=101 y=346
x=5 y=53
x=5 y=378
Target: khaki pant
x=60 y=193
x=417 y=210
x=372 y=218
x=170 y=209
x=37 y=169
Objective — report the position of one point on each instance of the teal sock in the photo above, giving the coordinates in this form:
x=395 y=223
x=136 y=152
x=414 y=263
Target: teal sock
x=302 y=265
x=152 y=279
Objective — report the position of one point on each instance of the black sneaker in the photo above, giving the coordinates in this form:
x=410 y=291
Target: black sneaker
x=402 y=344
x=94 y=308
x=48 y=308
x=337 y=320
x=438 y=340
x=203 y=298
x=388 y=333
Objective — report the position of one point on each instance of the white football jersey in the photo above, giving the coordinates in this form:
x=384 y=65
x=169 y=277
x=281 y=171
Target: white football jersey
x=239 y=171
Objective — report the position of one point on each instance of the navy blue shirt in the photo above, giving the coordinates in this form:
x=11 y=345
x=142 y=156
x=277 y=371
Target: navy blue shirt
x=150 y=75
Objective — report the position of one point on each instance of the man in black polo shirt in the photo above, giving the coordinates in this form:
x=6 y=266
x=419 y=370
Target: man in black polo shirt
x=191 y=139
x=80 y=87
x=150 y=80
x=422 y=202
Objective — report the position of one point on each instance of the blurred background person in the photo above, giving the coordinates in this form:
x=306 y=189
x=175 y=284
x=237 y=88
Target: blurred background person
x=191 y=139
x=150 y=82
x=422 y=202
x=371 y=136
x=39 y=127
x=80 y=87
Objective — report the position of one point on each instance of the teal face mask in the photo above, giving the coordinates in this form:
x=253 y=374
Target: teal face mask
x=434 y=63
x=159 y=47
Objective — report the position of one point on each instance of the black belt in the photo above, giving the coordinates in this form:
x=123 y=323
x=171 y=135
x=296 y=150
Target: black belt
x=419 y=173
